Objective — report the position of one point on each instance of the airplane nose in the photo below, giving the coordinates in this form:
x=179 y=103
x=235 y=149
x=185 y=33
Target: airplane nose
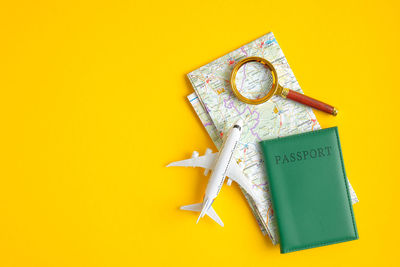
x=239 y=124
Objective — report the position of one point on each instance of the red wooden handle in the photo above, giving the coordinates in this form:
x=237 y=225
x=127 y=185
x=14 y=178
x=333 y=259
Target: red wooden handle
x=311 y=102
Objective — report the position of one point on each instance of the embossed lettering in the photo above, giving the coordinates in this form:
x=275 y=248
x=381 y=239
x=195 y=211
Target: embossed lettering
x=313 y=153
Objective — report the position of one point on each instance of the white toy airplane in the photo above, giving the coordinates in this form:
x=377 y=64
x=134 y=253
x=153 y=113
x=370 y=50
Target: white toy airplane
x=222 y=165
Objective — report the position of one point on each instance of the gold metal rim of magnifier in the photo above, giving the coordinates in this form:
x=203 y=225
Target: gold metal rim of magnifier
x=271 y=92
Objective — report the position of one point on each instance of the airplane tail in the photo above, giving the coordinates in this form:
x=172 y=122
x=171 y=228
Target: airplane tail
x=210 y=212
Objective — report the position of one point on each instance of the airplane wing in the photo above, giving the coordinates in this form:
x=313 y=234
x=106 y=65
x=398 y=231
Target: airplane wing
x=235 y=173
x=207 y=161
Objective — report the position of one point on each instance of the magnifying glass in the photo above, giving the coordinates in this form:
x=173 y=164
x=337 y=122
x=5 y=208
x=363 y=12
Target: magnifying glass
x=254 y=80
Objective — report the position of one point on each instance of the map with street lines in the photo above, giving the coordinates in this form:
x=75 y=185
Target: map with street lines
x=219 y=109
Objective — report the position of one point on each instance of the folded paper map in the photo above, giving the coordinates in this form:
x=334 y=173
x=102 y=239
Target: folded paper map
x=218 y=109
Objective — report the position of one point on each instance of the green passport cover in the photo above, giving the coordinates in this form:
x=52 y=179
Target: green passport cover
x=309 y=190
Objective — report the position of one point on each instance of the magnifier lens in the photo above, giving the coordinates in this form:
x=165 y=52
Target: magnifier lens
x=254 y=80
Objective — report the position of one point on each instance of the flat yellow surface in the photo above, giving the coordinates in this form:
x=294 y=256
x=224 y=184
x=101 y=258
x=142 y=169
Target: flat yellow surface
x=93 y=106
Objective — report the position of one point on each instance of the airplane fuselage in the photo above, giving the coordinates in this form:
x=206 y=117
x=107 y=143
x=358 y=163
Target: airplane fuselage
x=220 y=170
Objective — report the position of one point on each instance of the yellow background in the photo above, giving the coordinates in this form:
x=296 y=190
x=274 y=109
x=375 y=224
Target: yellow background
x=93 y=106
